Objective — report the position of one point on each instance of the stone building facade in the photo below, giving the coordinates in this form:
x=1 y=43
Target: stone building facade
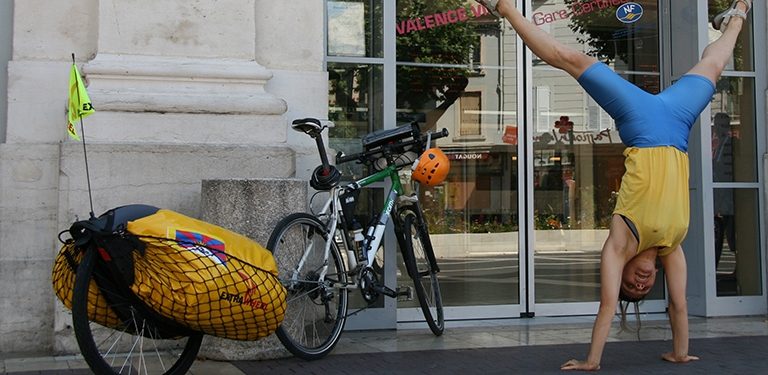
x=183 y=90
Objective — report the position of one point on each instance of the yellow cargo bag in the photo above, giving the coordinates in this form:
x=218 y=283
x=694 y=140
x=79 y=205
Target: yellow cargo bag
x=64 y=269
x=198 y=274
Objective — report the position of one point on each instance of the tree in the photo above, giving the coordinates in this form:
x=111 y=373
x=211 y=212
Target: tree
x=608 y=38
x=427 y=91
x=432 y=90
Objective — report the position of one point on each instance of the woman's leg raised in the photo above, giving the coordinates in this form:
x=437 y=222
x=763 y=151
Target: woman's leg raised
x=544 y=45
x=717 y=54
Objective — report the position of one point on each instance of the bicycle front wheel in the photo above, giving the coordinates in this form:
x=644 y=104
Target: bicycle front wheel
x=417 y=256
x=317 y=296
x=134 y=349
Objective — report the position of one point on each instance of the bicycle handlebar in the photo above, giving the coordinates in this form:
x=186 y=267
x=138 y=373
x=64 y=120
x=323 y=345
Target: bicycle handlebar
x=363 y=156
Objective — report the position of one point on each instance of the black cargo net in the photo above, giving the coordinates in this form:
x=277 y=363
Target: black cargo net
x=198 y=287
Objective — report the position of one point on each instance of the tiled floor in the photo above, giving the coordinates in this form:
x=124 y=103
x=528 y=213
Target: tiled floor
x=458 y=335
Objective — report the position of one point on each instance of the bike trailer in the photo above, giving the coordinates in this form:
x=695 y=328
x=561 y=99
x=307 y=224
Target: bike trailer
x=199 y=275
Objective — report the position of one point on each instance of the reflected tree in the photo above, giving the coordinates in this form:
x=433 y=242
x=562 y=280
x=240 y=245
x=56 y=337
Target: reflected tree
x=430 y=92
x=450 y=50
x=609 y=39
x=597 y=29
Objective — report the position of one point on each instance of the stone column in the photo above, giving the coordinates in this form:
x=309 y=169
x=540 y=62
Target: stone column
x=181 y=72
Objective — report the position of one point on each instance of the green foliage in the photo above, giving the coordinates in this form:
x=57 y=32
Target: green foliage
x=442 y=221
x=596 y=29
x=547 y=221
x=448 y=45
x=418 y=88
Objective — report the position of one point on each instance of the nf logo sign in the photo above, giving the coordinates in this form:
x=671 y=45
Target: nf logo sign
x=629 y=12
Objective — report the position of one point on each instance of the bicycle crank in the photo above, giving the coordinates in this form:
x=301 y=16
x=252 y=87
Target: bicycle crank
x=372 y=288
x=368 y=281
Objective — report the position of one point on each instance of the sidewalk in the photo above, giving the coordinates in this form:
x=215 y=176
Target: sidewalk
x=726 y=345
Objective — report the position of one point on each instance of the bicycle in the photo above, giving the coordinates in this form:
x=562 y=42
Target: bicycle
x=323 y=256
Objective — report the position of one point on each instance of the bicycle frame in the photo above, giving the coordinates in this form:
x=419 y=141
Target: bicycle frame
x=374 y=234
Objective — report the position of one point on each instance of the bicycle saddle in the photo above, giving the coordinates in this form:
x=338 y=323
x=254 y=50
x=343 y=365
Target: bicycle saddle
x=309 y=126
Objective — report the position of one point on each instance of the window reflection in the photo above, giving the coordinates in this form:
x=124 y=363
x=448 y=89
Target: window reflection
x=734 y=134
x=355 y=107
x=445 y=32
x=594 y=28
x=456 y=69
x=737 y=238
x=355 y=28
x=429 y=94
x=354 y=98
x=473 y=216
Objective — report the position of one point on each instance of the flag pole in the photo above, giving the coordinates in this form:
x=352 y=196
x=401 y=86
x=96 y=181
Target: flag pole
x=85 y=152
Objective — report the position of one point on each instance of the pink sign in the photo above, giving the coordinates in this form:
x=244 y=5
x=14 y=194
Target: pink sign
x=432 y=21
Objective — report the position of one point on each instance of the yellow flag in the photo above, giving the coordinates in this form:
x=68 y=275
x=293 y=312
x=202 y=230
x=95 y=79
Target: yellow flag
x=72 y=131
x=79 y=103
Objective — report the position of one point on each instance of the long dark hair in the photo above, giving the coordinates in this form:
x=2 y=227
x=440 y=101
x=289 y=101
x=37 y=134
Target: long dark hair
x=624 y=302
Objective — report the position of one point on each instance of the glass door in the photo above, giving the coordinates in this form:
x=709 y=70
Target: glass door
x=456 y=68
x=444 y=64
x=736 y=195
x=577 y=154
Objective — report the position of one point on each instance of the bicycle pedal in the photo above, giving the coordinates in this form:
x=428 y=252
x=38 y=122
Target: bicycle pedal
x=405 y=293
x=383 y=289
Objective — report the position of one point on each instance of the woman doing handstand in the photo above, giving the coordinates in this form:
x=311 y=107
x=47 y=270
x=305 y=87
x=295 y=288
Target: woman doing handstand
x=655 y=129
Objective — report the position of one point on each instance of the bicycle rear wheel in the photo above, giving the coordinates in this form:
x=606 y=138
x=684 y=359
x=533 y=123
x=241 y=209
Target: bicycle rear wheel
x=316 y=310
x=136 y=349
x=417 y=257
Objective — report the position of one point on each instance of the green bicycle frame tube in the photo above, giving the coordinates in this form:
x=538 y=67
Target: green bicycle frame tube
x=390 y=171
x=375 y=233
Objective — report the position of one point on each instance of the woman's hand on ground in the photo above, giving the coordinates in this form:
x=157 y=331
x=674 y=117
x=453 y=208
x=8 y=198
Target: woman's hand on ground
x=671 y=357
x=579 y=365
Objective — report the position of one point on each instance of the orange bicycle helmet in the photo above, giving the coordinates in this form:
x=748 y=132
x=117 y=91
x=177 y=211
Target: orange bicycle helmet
x=432 y=168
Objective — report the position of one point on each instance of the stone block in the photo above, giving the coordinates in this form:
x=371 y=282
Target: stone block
x=26 y=304
x=28 y=198
x=250 y=207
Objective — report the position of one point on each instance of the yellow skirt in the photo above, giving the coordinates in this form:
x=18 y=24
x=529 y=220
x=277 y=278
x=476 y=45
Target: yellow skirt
x=654 y=196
